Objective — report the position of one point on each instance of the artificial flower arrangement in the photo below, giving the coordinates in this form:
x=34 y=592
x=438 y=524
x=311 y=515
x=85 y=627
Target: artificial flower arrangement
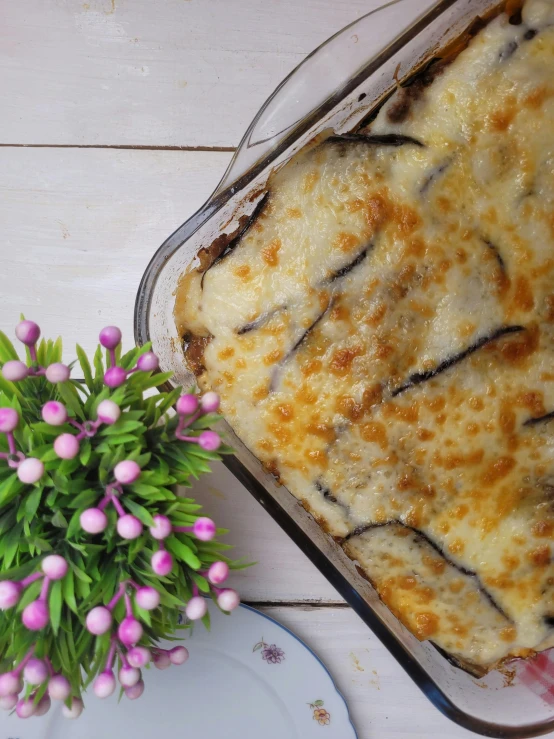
x=97 y=551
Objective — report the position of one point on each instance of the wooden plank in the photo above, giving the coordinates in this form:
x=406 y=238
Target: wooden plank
x=383 y=702
x=180 y=72
x=79 y=226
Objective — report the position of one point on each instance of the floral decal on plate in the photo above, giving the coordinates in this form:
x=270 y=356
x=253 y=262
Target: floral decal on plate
x=270 y=652
x=322 y=716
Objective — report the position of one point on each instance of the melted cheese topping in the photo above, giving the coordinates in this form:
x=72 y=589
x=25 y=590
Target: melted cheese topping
x=382 y=338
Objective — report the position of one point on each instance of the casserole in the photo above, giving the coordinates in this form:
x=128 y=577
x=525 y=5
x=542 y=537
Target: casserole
x=341 y=110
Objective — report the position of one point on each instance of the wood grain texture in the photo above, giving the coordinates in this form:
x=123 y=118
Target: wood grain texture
x=173 y=73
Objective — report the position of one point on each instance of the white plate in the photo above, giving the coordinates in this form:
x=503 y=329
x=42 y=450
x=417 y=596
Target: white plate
x=248 y=678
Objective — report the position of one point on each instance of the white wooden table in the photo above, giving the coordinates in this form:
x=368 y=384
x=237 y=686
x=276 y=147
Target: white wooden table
x=118 y=119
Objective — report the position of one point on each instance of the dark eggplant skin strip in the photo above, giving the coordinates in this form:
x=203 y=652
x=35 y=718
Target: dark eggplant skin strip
x=329 y=497
x=540 y=419
x=260 y=320
x=385 y=139
x=494 y=249
x=433 y=176
x=507 y=51
x=423 y=537
x=348 y=267
x=235 y=242
x=419 y=377
x=549 y=621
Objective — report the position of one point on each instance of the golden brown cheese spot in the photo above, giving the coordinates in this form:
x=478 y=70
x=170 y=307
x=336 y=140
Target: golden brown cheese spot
x=226 y=353
x=285 y=411
x=508 y=633
x=540 y=556
x=294 y=212
x=497 y=470
x=427 y=624
x=347 y=406
x=523 y=294
x=543 y=529
x=375 y=432
x=243 y=272
x=310 y=181
x=273 y=357
x=270 y=251
x=341 y=361
x=346 y=242
x=457 y=546
x=501 y=119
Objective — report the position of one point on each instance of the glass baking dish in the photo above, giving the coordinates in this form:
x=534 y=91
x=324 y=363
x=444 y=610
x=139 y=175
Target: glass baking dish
x=336 y=87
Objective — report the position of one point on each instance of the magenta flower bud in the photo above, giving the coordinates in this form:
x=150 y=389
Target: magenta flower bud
x=76 y=709
x=162 y=563
x=209 y=440
x=35 y=616
x=115 y=377
x=59 y=688
x=27 y=332
x=209 y=402
x=10 y=593
x=218 y=573
x=30 y=470
x=178 y=655
x=14 y=370
x=228 y=599
x=161 y=660
x=57 y=372
x=10 y=684
x=110 y=337
x=35 y=671
x=54 y=413
x=129 y=527
x=128 y=676
x=127 y=472
x=196 y=608
x=108 y=412
x=135 y=691
x=66 y=446
x=99 y=620
x=54 y=566
x=148 y=362
x=8 y=420
x=139 y=656
x=204 y=529
x=43 y=706
x=104 y=685
x=130 y=631
x=148 y=598
x=8 y=702
x=93 y=520
x=161 y=528
x=25 y=708
x=187 y=404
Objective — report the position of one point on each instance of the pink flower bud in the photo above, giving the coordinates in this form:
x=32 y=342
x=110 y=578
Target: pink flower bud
x=129 y=676
x=187 y=404
x=148 y=598
x=139 y=656
x=104 y=685
x=59 y=688
x=218 y=573
x=10 y=593
x=93 y=520
x=54 y=413
x=110 y=337
x=99 y=620
x=108 y=412
x=14 y=370
x=8 y=702
x=43 y=706
x=115 y=377
x=178 y=655
x=161 y=659
x=127 y=472
x=130 y=631
x=35 y=616
x=10 y=684
x=54 y=566
x=162 y=563
x=129 y=527
x=8 y=420
x=209 y=402
x=196 y=608
x=57 y=372
x=76 y=709
x=25 y=708
x=204 y=529
x=30 y=470
x=148 y=362
x=27 y=332
x=161 y=528
x=209 y=440
x=35 y=671
x=66 y=446
x=135 y=691
x=228 y=599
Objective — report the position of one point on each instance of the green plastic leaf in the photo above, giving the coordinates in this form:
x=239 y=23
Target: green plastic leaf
x=85 y=367
x=55 y=605
x=183 y=552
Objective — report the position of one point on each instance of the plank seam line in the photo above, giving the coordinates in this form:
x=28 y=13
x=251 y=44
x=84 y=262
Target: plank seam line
x=131 y=147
